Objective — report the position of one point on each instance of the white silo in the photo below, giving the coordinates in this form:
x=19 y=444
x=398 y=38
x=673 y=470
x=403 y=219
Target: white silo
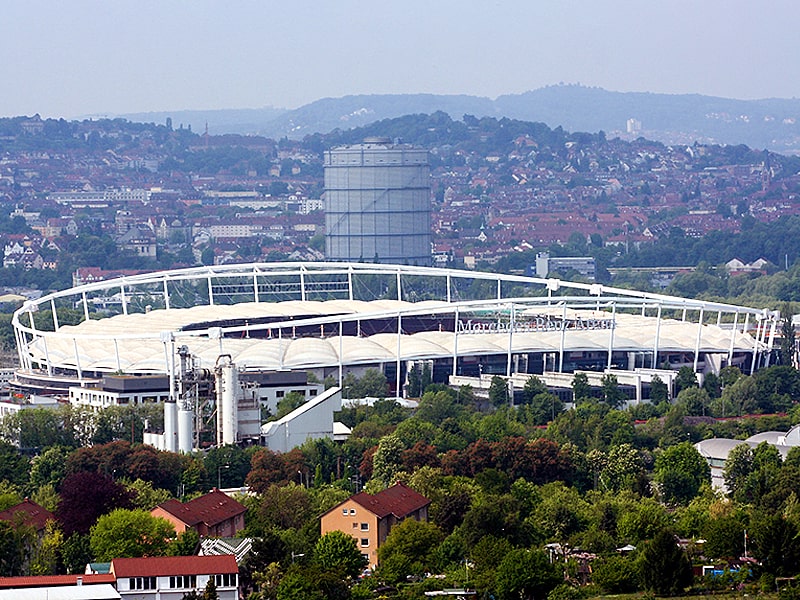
x=227 y=384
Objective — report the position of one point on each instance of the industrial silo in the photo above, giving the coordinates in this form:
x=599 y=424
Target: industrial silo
x=377 y=203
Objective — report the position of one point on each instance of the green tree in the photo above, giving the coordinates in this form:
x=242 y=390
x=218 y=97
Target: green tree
x=414 y=389
x=694 y=401
x=498 y=391
x=580 y=387
x=659 y=391
x=49 y=467
x=775 y=544
x=13 y=549
x=615 y=574
x=612 y=394
x=526 y=574
x=623 y=464
x=144 y=495
x=713 y=385
x=339 y=552
x=686 y=378
x=47 y=551
x=14 y=467
x=409 y=549
x=210 y=591
x=664 y=567
x=533 y=386
x=299 y=584
x=741 y=395
x=738 y=466
x=185 y=544
x=125 y=533
x=680 y=471
x=372 y=384
x=642 y=520
x=724 y=537
x=388 y=459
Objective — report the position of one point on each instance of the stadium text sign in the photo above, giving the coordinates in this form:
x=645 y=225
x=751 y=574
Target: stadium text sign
x=537 y=324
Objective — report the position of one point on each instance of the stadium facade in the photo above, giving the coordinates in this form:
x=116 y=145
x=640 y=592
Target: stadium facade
x=248 y=322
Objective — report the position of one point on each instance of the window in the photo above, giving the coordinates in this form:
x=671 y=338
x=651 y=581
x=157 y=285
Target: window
x=344 y=511
x=183 y=581
x=365 y=527
x=355 y=525
x=142 y=583
x=364 y=542
x=352 y=511
x=279 y=394
x=225 y=580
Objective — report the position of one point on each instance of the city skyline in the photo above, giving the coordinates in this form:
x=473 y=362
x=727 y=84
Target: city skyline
x=94 y=58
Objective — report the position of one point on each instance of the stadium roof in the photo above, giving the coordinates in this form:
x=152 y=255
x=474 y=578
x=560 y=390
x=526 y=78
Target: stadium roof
x=290 y=316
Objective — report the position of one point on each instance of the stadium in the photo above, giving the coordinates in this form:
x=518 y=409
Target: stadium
x=332 y=317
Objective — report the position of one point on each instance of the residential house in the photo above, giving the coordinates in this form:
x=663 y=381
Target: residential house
x=28 y=513
x=138 y=240
x=171 y=577
x=370 y=517
x=213 y=515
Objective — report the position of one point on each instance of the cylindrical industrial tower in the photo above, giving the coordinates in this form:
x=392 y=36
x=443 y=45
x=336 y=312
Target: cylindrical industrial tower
x=377 y=203
x=171 y=426
x=227 y=383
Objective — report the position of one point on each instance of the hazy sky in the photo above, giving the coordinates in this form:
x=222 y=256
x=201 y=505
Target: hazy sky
x=77 y=57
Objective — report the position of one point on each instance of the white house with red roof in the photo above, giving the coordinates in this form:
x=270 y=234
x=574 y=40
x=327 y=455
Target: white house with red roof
x=149 y=578
x=170 y=577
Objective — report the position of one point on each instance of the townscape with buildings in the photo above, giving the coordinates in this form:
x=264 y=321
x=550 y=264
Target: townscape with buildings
x=316 y=324
x=162 y=197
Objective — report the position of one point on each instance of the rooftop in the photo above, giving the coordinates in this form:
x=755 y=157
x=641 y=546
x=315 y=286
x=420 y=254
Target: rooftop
x=398 y=500
x=211 y=509
x=160 y=566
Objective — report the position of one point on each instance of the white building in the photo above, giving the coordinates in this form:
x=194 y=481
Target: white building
x=313 y=420
x=171 y=577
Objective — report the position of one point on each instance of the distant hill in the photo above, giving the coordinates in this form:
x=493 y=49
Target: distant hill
x=772 y=123
x=243 y=120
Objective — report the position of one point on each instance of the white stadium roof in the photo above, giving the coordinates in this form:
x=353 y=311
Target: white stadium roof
x=235 y=310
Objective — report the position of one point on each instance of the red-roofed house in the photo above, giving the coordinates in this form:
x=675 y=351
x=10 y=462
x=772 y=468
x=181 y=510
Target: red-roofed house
x=29 y=513
x=166 y=577
x=213 y=515
x=370 y=517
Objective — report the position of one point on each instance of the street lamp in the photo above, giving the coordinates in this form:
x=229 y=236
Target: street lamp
x=219 y=474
